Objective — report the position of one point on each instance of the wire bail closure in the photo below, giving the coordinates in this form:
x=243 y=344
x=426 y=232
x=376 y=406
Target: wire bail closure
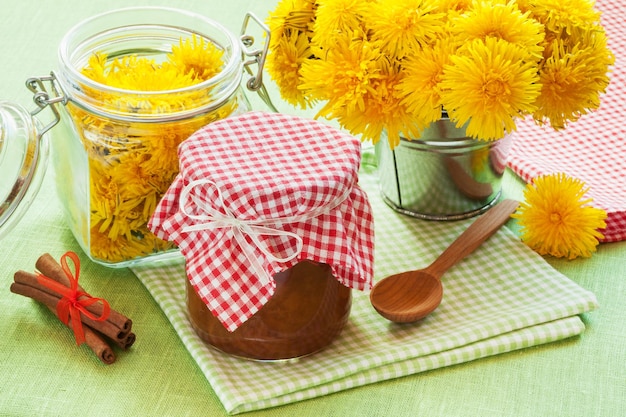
x=43 y=98
x=258 y=55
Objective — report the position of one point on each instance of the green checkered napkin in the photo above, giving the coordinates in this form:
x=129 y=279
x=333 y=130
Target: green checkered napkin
x=501 y=298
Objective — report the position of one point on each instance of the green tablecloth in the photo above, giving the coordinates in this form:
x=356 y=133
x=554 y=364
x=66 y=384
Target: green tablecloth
x=44 y=374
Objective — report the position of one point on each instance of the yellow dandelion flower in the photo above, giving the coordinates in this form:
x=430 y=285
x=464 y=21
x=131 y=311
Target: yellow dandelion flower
x=572 y=80
x=488 y=86
x=562 y=15
x=135 y=73
x=198 y=57
x=383 y=112
x=162 y=147
x=344 y=77
x=132 y=168
x=291 y=15
x=105 y=248
x=454 y=7
x=557 y=220
x=359 y=86
x=423 y=71
x=503 y=21
x=335 y=18
x=283 y=65
x=191 y=62
x=96 y=68
x=400 y=28
x=105 y=206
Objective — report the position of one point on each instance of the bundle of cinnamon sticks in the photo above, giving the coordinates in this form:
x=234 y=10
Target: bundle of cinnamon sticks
x=113 y=325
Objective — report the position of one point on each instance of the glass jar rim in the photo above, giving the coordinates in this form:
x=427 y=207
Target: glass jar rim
x=149 y=16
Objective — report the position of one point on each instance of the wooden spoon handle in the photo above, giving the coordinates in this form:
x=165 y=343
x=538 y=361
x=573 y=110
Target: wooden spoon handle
x=479 y=231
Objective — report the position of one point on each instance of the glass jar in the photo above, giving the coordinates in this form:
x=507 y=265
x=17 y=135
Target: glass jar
x=308 y=310
x=115 y=146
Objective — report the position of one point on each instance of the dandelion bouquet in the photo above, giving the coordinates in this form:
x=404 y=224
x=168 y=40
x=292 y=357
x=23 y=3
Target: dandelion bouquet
x=377 y=65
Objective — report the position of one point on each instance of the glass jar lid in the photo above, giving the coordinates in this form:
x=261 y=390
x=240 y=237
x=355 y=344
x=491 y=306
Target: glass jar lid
x=23 y=160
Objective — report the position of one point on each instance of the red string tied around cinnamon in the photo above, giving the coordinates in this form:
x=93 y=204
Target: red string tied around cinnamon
x=74 y=302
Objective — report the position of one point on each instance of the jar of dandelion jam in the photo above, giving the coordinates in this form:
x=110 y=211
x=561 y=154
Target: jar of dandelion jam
x=275 y=231
x=132 y=84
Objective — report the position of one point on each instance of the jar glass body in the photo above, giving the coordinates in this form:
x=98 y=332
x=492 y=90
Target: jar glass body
x=307 y=312
x=115 y=150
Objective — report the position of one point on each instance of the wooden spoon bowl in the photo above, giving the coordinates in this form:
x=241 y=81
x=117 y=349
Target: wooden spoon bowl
x=426 y=293
x=412 y=295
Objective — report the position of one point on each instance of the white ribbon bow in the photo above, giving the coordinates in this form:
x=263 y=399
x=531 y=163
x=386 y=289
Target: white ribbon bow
x=212 y=219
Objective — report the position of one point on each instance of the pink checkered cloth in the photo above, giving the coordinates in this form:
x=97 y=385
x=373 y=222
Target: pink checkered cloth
x=594 y=148
x=258 y=193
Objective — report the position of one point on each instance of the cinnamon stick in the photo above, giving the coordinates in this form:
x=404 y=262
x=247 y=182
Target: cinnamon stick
x=94 y=341
x=26 y=284
x=48 y=266
x=128 y=341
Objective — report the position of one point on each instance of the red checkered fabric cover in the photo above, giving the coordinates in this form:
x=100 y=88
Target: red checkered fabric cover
x=594 y=148
x=256 y=194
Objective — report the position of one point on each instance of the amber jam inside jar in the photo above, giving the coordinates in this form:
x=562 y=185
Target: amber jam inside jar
x=306 y=313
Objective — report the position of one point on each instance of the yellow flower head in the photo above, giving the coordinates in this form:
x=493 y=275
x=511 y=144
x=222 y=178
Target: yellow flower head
x=198 y=57
x=133 y=73
x=344 y=77
x=284 y=64
x=487 y=85
x=560 y=16
x=383 y=110
x=189 y=63
x=334 y=18
x=503 y=21
x=401 y=28
x=291 y=15
x=557 y=220
x=423 y=71
x=572 y=79
x=454 y=7
x=358 y=84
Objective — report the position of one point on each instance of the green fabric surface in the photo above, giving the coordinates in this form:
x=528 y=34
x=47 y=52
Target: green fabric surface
x=501 y=298
x=43 y=373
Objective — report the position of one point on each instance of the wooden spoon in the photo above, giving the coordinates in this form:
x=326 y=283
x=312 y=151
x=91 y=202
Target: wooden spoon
x=410 y=296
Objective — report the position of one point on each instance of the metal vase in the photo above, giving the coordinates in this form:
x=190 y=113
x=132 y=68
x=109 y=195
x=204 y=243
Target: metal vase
x=443 y=174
